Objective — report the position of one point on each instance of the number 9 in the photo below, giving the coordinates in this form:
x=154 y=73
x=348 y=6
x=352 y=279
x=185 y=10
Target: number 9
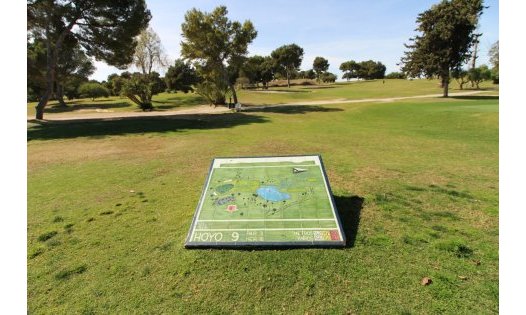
x=235 y=236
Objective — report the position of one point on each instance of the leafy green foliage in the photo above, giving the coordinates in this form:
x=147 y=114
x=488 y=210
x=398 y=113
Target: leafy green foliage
x=328 y=77
x=105 y=29
x=181 y=77
x=215 y=44
x=93 y=90
x=320 y=65
x=287 y=59
x=395 y=75
x=140 y=88
x=446 y=35
x=461 y=76
x=258 y=69
x=479 y=74
x=367 y=70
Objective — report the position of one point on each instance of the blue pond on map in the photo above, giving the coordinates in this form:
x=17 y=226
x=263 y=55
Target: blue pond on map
x=272 y=193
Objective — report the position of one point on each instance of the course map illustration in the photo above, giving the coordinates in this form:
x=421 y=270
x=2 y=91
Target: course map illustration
x=266 y=201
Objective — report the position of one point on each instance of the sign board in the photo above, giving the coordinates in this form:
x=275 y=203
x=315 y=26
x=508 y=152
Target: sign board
x=266 y=202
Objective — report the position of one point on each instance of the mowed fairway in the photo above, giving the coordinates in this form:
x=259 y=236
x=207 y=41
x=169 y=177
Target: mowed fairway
x=416 y=184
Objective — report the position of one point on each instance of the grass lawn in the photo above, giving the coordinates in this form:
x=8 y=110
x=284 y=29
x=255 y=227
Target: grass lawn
x=415 y=182
x=175 y=101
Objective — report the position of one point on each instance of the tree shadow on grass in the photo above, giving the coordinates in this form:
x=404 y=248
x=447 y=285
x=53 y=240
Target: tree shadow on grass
x=292 y=109
x=476 y=97
x=349 y=210
x=47 y=130
x=74 y=107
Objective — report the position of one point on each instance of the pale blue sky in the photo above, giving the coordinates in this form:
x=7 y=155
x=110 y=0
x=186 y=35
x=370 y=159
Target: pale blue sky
x=338 y=30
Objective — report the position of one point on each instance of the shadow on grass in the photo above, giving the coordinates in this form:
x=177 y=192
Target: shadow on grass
x=292 y=109
x=46 y=130
x=73 y=107
x=349 y=210
x=475 y=97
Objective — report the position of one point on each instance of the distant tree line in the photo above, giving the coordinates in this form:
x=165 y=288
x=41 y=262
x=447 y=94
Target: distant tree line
x=366 y=70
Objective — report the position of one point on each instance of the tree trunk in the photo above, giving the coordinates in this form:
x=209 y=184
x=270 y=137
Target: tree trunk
x=50 y=76
x=60 y=95
x=288 y=79
x=445 y=85
x=234 y=94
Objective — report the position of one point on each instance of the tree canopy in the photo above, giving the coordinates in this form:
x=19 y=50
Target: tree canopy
x=288 y=59
x=181 y=77
x=105 y=30
x=367 y=70
x=446 y=33
x=320 y=65
x=149 y=53
x=258 y=69
x=214 y=43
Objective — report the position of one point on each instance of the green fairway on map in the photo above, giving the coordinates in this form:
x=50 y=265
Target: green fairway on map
x=266 y=201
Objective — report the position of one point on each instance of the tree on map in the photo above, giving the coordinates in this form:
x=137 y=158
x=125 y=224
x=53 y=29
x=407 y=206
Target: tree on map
x=93 y=90
x=446 y=35
x=494 y=60
x=214 y=43
x=288 y=59
x=320 y=65
x=104 y=28
x=181 y=77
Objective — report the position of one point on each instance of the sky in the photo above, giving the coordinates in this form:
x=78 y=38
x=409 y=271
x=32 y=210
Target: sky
x=338 y=30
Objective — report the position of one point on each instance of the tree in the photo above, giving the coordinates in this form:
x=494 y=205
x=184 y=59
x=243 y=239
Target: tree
x=395 y=75
x=149 y=53
x=140 y=88
x=494 y=60
x=115 y=83
x=328 y=77
x=93 y=90
x=214 y=43
x=288 y=59
x=104 y=28
x=73 y=67
x=461 y=76
x=350 y=69
x=258 y=69
x=320 y=66
x=446 y=35
x=479 y=74
x=370 y=70
x=181 y=77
